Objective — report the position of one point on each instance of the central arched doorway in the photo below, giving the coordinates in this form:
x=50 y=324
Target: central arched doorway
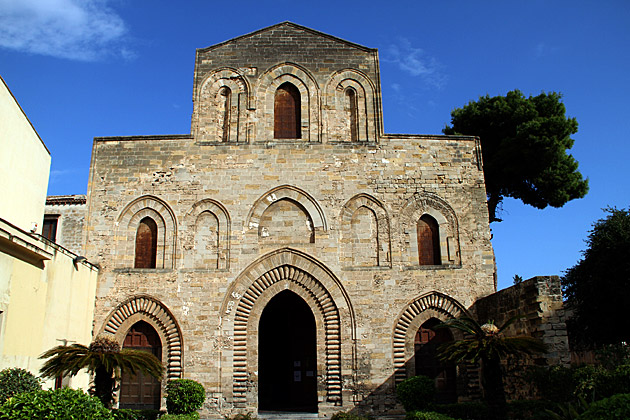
x=141 y=392
x=287 y=355
x=426 y=345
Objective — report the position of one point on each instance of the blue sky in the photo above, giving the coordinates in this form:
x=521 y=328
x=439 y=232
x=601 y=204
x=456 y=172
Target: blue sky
x=82 y=69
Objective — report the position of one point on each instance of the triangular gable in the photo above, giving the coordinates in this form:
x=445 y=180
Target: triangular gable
x=291 y=25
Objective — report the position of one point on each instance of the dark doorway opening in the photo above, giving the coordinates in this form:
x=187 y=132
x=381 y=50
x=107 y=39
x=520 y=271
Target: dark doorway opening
x=426 y=349
x=141 y=392
x=287 y=362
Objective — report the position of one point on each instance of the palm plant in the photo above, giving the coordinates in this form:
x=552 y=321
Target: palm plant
x=104 y=359
x=487 y=344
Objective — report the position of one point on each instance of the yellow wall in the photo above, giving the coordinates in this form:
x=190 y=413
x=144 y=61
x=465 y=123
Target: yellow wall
x=24 y=166
x=43 y=302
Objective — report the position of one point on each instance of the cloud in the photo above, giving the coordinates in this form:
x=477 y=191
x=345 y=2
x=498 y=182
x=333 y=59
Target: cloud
x=543 y=49
x=415 y=62
x=85 y=30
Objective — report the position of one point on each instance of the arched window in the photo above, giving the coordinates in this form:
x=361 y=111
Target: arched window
x=287 y=112
x=146 y=243
x=351 y=94
x=224 y=108
x=428 y=241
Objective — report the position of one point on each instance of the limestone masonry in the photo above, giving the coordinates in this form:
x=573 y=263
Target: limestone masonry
x=287 y=253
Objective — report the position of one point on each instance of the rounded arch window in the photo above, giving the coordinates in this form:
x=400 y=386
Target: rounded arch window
x=351 y=96
x=287 y=112
x=146 y=243
x=428 y=241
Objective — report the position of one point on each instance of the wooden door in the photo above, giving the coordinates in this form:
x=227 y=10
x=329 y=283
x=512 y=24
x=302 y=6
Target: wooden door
x=141 y=392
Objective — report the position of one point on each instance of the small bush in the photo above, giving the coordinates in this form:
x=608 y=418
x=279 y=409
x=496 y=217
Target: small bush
x=189 y=416
x=616 y=407
x=555 y=383
x=470 y=410
x=426 y=415
x=14 y=381
x=416 y=393
x=347 y=416
x=60 y=404
x=184 y=396
x=127 y=414
x=529 y=409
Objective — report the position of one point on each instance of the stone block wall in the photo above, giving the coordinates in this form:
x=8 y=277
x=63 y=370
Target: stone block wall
x=69 y=211
x=539 y=301
x=329 y=216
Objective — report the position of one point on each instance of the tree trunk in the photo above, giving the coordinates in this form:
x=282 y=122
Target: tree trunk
x=104 y=386
x=494 y=392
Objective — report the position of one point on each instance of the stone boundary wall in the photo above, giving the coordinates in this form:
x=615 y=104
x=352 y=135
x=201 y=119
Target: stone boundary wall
x=539 y=301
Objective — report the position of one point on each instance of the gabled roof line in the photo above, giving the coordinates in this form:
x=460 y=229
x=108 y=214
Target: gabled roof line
x=295 y=25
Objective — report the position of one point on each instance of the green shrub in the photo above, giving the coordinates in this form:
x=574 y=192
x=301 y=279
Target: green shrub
x=470 y=410
x=127 y=414
x=426 y=415
x=189 y=416
x=529 y=409
x=184 y=396
x=60 y=404
x=416 y=393
x=616 y=407
x=14 y=381
x=347 y=416
x=554 y=383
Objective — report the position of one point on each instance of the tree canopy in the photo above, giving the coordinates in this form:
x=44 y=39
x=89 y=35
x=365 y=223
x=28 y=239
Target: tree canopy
x=597 y=288
x=524 y=143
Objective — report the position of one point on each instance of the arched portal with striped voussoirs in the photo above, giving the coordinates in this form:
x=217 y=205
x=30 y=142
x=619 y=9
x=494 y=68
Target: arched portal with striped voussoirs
x=321 y=293
x=433 y=305
x=150 y=310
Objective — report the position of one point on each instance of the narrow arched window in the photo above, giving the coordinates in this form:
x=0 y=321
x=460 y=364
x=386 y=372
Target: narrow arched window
x=224 y=108
x=146 y=244
x=287 y=112
x=351 y=94
x=428 y=241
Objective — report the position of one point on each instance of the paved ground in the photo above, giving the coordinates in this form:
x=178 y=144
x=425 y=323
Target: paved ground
x=271 y=415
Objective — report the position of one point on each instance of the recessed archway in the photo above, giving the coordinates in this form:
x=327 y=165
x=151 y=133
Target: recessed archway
x=287 y=355
x=140 y=391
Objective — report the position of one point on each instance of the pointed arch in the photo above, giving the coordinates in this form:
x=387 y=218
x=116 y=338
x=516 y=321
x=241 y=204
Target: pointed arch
x=146 y=243
x=447 y=241
x=151 y=310
x=191 y=232
x=247 y=296
x=218 y=117
x=127 y=225
x=431 y=305
x=306 y=201
x=309 y=97
x=287 y=112
x=382 y=237
x=338 y=111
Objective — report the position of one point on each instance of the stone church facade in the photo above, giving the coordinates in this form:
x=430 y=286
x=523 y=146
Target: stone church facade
x=287 y=252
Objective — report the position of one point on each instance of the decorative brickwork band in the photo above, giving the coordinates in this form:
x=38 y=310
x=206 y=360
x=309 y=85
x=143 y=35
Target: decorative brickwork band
x=433 y=304
x=325 y=305
x=146 y=308
x=247 y=297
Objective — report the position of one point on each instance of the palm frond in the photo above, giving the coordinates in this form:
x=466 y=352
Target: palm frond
x=465 y=324
x=509 y=322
